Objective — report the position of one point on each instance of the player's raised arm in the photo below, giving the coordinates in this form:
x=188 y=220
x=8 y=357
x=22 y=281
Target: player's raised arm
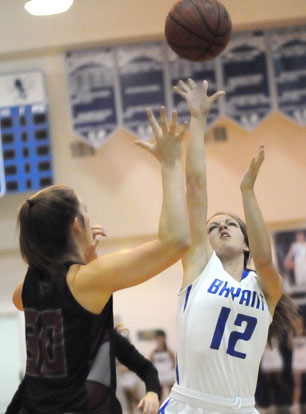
x=199 y=105
x=260 y=247
x=93 y=283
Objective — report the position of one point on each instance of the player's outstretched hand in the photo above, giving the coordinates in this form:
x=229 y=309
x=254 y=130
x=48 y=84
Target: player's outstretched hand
x=167 y=147
x=149 y=404
x=198 y=101
x=91 y=252
x=249 y=178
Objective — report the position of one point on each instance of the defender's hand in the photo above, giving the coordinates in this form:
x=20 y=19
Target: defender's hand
x=168 y=140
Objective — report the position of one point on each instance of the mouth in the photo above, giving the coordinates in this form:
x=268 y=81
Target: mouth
x=224 y=235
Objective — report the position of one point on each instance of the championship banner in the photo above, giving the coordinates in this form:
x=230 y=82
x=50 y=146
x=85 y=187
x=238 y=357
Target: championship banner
x=92 y=94
x=142 y=85
x=182 y=69
x=245 y=80
x=25 y=137
x=289 y=62
x=260 y=72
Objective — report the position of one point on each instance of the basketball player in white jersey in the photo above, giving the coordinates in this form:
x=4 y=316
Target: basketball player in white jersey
x=224 y=309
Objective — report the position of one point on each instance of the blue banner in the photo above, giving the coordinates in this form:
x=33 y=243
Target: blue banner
x=289 y=62
x=92 y=94
x=245 y=80
x=182 y=69
x=260 y=72
x=142 y=85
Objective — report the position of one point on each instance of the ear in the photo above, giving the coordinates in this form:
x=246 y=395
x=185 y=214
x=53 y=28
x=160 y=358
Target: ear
x=246 y=248
x=76 y=227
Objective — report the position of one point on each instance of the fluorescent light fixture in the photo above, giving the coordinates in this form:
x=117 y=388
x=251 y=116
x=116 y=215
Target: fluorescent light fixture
x=46 y=7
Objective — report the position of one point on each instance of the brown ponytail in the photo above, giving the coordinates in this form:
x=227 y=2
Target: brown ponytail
x=45 y=221
x=285 y=315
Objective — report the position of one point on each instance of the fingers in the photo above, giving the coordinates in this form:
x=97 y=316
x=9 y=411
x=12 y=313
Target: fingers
x=261 y=154
x=163 y=126
x=183 y=86
x=97 y=230
x=205 y=86
x=173 y=123
x=148 y=408
x=140 y=404
x=186 y=89
x=154 y=124
x=178 y=90
x=255 y=165
x=252 y=164
x=145 y=145
x=215 y=96
x=149 y=404
x=192 y=83
x=163 y=120
x=260 y=157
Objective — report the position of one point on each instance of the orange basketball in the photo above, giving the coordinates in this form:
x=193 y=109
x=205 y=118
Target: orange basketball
x=198 y=30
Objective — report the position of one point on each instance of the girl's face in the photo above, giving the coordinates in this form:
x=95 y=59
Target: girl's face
x=225 y=236
x=160 y=340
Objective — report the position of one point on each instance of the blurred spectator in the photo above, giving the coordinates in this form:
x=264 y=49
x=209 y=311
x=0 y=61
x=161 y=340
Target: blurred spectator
x=296 y=258
x=164 y=361
x=274 y=393
x=298 y=362
x=129 y=363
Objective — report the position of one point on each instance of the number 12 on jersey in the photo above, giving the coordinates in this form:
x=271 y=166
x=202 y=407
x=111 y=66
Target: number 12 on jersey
x=235 y=336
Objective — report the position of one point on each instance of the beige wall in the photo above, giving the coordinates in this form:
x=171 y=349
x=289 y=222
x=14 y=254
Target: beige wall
x=109 y=21
x=121 y=184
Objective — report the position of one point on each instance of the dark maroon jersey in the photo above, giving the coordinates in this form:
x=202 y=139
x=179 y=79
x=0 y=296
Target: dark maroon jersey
x=70 y=360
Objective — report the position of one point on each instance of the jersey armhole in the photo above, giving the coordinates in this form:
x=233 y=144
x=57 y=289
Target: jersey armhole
x=71 y=293
x=196 y=281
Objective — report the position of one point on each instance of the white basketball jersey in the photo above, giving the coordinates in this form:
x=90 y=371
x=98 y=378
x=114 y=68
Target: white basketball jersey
x=223 y=327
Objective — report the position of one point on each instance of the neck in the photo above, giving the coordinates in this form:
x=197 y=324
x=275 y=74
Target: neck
x=233 y=266
x=74 y=257
x=77 y=251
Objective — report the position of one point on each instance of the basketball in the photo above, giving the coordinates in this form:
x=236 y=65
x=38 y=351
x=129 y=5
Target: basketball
x=198 y=30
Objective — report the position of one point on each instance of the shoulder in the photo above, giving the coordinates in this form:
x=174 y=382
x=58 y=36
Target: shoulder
x=192 y=275
x=84 y=291
x=17 y=296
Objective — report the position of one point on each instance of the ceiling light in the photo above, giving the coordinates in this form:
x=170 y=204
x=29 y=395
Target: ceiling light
x=46 y=7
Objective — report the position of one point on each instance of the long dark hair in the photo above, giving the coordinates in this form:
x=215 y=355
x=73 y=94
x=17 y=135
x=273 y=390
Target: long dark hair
x=45 y=221
x=286 y=312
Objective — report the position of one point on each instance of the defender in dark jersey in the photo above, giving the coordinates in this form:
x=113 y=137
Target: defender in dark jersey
x=128 y=355
x=67 y=291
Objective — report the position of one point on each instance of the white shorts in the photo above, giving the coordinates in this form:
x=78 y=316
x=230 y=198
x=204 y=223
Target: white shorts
x=185 y=401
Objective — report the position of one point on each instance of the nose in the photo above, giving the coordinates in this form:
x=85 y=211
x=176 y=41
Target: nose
x=222 y=226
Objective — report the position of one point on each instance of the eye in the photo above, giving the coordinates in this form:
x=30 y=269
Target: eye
x=232 y=223
x=211 y=228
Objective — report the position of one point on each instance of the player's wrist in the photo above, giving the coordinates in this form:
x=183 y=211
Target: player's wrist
x=199 y=119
